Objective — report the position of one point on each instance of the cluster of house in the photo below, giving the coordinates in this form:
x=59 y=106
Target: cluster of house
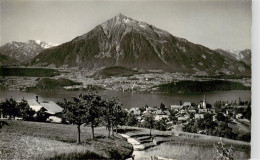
x=183 y=112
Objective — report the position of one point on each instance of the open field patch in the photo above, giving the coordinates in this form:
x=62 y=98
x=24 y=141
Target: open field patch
x=48 y=141
x=186 y=146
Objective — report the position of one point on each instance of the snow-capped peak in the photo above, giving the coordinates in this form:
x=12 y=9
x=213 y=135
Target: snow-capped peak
x=38 y=41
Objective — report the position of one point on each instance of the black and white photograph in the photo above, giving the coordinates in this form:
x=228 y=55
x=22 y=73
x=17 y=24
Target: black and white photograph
x=125 y=79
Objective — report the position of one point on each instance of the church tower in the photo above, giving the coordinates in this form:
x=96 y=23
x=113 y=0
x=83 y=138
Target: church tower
x=204 y=102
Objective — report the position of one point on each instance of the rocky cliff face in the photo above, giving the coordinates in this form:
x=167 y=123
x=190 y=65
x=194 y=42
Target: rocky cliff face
x=122 y=41
x=24 y=51
x=240 y=55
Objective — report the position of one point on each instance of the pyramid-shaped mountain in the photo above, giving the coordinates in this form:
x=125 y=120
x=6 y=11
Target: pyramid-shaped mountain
x=122 y=41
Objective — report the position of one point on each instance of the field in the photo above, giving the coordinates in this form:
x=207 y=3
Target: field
x=186 y=146
x=33 y=140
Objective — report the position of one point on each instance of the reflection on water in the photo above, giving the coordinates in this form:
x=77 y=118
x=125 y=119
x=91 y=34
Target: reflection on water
x=136 y=99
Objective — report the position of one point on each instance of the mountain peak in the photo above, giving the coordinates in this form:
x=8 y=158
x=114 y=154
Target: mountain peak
x=121 y=16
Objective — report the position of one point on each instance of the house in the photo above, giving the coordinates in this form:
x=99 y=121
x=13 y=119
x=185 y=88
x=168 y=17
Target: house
x=176 y=107
x=159 y=117
x=33 y=104
x=239 y=116
x=54 y=119
x=186 y=104
x=51 y=108
x=183 y=119
x=214 y=118
x=199 y=116
x=192 y=111
x=182 y=111
x=203 y=110
x=159 y=114
x=151 y=109
x=135 y=111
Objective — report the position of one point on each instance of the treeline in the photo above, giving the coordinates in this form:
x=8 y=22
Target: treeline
x=12 y=109
x=221 y=127
x=201 y=86
x=91 y=109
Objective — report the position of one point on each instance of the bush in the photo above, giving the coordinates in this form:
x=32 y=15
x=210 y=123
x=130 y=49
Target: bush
x=223 y=152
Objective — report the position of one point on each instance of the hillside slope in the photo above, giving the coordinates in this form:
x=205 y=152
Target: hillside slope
x=6 y=60
x=24 y=51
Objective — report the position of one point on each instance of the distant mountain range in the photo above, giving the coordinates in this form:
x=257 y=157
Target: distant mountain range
x=122 y=41
x=241 y=55
x=24 y=51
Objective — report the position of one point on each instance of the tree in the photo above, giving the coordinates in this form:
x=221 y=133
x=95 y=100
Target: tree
x=247 y=113
x=93 y=105
x=25 y=111
x=220 y=117
x=42 y=115
x=161 y=124
x=107 y=115
x=132 y=120
x=162 y=107
x=111 y=114
x=149 y=122
x=172 y=116
x=10 y=108
x=75 y=112
x=117 y=115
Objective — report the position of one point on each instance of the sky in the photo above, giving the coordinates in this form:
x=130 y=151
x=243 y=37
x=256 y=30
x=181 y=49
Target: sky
x=215 y=24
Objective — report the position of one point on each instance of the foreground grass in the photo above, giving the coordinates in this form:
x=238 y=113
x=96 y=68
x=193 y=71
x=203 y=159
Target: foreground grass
x=188 y=152
x=32 y=140
x=185 y=146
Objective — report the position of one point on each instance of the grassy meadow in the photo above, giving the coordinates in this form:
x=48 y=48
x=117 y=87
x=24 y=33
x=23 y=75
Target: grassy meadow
x=46 y=141
x=186 y=146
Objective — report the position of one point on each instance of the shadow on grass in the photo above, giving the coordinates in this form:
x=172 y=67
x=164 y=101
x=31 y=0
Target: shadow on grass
x=77 y=156
x=3 y=123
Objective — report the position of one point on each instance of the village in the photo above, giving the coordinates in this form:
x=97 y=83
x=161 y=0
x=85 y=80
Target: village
x=200 y=118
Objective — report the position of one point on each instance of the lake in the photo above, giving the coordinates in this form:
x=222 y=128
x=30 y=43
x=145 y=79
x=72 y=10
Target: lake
x=135 y=99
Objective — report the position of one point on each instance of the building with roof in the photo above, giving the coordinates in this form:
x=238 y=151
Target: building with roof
x=33 y=104
x=51 y=107
x=135 y=111
x=186 y=104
